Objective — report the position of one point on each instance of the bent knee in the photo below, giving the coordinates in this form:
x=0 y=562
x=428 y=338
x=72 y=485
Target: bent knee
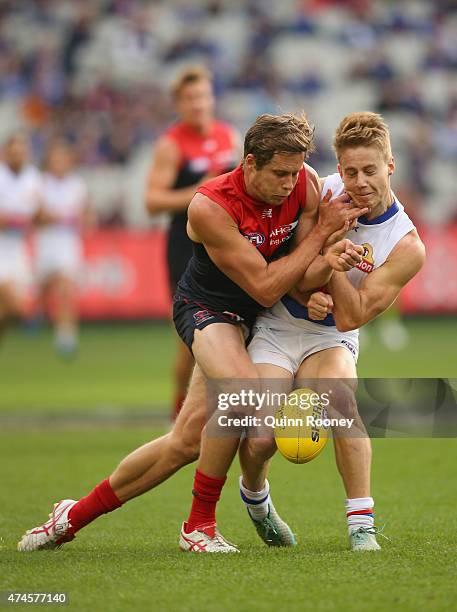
x=261 y=447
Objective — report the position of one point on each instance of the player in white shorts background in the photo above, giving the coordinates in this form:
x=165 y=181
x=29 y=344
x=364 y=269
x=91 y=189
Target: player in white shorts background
x=320 y=341
x=58 y=246
x=20 y=187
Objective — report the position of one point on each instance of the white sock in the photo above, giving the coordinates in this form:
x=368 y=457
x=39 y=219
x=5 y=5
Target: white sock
x=256 y=501
x=360 y=513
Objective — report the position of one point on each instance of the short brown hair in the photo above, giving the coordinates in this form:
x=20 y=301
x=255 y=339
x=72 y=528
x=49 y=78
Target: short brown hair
x=191 y=74
x=363 y=129
x=271 y=134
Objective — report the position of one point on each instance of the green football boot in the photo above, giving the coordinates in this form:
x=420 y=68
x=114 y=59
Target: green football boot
x=273 y=530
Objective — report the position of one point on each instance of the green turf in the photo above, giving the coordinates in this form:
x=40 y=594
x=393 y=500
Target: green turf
x=117 y=365
x=129 y=365
x=130 y=561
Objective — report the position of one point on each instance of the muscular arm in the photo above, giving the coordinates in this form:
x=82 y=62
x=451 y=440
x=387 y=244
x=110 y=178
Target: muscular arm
x=211 y=225
x=160 y=197
x=318 y=272
x=355 y=307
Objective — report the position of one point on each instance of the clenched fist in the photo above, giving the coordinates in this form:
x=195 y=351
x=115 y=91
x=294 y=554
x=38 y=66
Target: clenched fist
x=319 y=305
x=343 y=255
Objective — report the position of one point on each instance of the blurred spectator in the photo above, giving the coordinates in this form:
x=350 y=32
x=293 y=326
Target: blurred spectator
x=97 y=73
x=65 y=214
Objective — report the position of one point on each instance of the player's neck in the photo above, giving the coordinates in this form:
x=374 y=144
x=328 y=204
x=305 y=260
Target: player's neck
x=381 y=208
x=15 y=168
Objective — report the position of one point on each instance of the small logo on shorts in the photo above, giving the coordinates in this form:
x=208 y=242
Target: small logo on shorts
x=234 y=316
x=201 y=316
x=350 y=346
x=255 y=238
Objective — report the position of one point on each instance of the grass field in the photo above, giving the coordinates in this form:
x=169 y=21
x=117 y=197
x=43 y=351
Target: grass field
x=129 y=366
x=129 y=560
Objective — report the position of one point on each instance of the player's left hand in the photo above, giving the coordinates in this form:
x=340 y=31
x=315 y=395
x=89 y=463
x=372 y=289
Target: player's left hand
x=343 y=255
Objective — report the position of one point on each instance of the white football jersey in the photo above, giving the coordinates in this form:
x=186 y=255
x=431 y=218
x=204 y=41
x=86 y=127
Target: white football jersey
x=378 y=236
x=64 y=197
x=58 y=247
x=19 y=195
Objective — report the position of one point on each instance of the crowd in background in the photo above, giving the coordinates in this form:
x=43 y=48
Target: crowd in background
x=97 y=74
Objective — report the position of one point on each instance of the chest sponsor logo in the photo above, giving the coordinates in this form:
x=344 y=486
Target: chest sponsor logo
x=282 y=233
x=255 y=238
x=367 y=263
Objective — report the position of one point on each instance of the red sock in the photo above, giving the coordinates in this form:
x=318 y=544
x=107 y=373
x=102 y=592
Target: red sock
x=100 y=500
x=206 y=492
x=179 y=401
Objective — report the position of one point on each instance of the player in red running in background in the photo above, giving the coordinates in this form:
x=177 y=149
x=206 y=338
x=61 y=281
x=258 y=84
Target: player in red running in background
x=194 y=147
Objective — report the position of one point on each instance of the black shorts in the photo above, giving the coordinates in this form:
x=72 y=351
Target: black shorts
x=189 y=315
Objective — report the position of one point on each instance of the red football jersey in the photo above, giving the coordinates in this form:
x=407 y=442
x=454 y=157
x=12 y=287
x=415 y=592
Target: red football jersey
x=266 y=227
x=213 y=151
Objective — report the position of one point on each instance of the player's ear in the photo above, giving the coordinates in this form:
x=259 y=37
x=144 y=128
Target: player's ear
x=391 y=166
x=249 y=161
x=340 y=171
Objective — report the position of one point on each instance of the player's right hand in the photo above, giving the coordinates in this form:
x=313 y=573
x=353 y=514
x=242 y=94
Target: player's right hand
x=319 y=305
x=337 y=215
x=343 y=255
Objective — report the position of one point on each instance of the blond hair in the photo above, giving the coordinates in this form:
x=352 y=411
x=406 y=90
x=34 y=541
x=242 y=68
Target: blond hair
x=363 y=129
x=271 y=134
x=191 y=74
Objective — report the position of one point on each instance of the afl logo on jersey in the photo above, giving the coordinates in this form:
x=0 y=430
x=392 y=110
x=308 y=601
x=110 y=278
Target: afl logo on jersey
x=255 y=238
x=367 y=263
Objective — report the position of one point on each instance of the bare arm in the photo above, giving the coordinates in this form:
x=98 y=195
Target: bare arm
x=354 y=307
x=211 y=225
x=160 y=197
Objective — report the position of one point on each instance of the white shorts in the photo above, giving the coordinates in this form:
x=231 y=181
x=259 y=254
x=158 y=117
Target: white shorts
x=57 y=252
x=14 y=261
x=285 y=341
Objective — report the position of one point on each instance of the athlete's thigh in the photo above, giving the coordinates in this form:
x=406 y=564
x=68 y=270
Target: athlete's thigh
x=62 y=283
x=219 y=349
x=332 y=371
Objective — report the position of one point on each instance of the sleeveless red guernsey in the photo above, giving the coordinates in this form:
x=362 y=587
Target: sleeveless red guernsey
x=214 y=151
x=268 y=228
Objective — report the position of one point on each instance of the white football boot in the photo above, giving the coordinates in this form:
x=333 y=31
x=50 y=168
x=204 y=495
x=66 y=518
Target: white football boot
x=51 y=534
x=206 y=539
x=364 y=538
